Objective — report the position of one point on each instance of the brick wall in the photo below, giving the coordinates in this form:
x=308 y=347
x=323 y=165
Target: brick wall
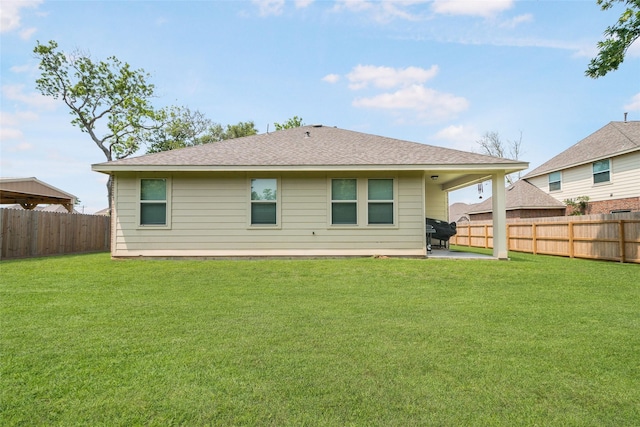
x=593 y=208
x=605 y=207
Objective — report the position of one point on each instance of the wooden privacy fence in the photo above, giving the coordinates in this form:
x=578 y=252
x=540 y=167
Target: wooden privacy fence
x=25 y=233
x=614 y=237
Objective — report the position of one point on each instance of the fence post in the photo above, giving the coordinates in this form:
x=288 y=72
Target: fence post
x=621 y=240
x=534 y=241
x=486 y=236
x=571 y=251
x=469 y=235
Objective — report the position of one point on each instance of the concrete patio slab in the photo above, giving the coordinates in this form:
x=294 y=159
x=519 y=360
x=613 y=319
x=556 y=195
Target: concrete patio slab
x=456 y=254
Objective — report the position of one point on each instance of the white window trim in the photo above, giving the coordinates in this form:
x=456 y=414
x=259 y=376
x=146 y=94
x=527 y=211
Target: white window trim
x=549 y=182
x=593 y=175
x=394 y=201
x=139 y=202
x=362 y=203
x=278 y=224
x=331 y=202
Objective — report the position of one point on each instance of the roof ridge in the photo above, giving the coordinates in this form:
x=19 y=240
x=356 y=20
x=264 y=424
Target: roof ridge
x=615 y=124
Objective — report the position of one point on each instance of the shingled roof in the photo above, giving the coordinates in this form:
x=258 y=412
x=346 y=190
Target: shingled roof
x=309 y=146
x=520 y=195
x=614 y=139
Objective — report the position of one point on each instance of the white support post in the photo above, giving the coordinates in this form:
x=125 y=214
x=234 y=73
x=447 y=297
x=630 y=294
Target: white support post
x=498 y=197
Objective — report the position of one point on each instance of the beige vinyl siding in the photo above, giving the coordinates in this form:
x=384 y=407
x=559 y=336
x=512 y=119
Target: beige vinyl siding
x=436 y=202
x=209 y=218
x=578 y=181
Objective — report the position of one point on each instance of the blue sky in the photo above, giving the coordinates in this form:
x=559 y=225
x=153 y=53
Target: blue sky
x=440 y=72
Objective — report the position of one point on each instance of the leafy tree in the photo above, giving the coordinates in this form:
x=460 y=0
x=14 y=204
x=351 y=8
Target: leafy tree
x=239 y=130
x=181 y=128
x=185 y=128
x=108 y=100
x=578 y=205
x=492 y=145
x=293 y=122
x=618 y=38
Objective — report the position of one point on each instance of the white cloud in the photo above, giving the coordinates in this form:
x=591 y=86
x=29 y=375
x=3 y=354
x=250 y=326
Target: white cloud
x=10 y=19
x=331 y=78
x=515 y=21
x=381 y=11
x=428 y=103
x=485 y=8
x=634 y=49
x=22 y=146
x=27 y=33
x=33 y=99
x=353 y=5
x=386 y=77
x=10 y=124
x=301 y=4
x=8 y=119
x=19 y=69
x=460 y=137
x=398 y=9
x=7 y=134
x=405 y=94
x=269 y=7
x=634 y=105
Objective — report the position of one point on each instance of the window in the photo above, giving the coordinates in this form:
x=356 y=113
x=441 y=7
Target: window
x=153 y=201
x=601 y=171
x=380 y=201
x=555 y=183
x=344 y=201
x=264 y=194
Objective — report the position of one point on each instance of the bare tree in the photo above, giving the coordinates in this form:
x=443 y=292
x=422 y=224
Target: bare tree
x=492 y=145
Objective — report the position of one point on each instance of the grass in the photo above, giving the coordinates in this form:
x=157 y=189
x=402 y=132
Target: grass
x=391 y=342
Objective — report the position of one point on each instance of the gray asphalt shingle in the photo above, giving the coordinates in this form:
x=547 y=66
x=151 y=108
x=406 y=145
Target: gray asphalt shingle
x=614 y=138
x=521 y=195
x=312 y=146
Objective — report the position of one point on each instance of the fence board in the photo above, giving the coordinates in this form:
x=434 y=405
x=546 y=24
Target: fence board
x=25 y=233
x=613 y=237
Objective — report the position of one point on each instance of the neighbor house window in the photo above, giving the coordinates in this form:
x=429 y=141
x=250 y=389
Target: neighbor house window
x=264 y=194
x=555 y=183
x=344 y=201
x=153 y=201
x=601 y=171
x=380 y=201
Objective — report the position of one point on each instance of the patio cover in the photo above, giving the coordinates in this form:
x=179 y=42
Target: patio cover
x=30 y=192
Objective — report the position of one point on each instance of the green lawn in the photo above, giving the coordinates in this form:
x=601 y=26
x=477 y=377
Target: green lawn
x=351 y=342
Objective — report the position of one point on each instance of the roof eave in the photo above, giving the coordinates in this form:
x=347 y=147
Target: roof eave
x=507 y=168
x=534 y=174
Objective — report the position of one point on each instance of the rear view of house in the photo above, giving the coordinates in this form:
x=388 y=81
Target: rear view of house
x=307 y=191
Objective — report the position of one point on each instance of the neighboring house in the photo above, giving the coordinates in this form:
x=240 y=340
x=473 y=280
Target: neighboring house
x=31 y=192
x=307 y=191
x=459 y=212
x=103 y=212
x=605 y=166
x=523 y=200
